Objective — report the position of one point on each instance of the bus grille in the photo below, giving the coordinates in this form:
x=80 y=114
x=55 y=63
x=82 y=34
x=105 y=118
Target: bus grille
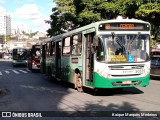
x=125 y=68
x=121 y=83
x=125 y=75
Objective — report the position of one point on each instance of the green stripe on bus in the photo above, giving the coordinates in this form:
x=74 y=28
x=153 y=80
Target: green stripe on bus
x=102 y=82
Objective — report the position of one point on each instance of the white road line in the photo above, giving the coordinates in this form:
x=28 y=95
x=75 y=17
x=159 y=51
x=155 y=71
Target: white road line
x=27 y=69
x=23 y=71
x=15 y=71
x=7 y=72
x=0 y=73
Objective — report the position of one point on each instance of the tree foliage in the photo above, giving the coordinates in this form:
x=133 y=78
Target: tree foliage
x=150 y=12
x=71 y=14
x=5 y=37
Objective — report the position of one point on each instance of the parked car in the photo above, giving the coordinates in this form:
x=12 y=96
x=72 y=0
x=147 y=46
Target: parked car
x=155 y=63
x=7 y=56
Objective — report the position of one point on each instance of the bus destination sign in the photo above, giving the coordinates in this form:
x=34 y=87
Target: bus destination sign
x=124 y=26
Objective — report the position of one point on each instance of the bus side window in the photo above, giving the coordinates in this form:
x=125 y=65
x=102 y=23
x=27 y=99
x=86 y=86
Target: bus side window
x=47 y=49
x=66 y=46
x=76 y=45
x=53 y=47
x=58 y=48
x=100 y=51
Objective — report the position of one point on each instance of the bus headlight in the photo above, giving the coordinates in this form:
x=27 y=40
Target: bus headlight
x=147 y=69
x=106 y=75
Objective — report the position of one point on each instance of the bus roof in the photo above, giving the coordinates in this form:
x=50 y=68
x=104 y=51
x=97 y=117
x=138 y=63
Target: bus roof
x=125 y=20
x=95 y=25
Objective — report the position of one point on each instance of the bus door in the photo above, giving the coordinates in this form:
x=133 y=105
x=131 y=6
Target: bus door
x=58 y=59
x=29 y=60
x=89 y=58
x=43 y=59
x=15 y=56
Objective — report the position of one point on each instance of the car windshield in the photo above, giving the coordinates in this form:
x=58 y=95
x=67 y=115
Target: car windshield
x=155 y=58
x=124 y=48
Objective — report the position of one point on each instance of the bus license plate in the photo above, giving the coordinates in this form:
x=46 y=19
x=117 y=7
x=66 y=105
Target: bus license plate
x=126 y=82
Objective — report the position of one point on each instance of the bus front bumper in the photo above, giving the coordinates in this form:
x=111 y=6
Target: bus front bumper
x=102 y=82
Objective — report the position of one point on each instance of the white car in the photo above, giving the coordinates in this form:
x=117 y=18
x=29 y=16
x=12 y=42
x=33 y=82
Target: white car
x=7 y=56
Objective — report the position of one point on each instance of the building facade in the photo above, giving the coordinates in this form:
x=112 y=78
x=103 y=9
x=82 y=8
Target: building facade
x=5 y=27
x=5 y=23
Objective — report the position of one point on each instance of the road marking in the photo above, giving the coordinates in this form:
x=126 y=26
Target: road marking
x=27 y=69
x=15 y=71
x=7 y=72
x=23 y=71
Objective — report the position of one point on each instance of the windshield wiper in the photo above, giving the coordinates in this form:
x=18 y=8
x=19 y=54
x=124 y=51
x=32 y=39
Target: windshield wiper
x=118 y=41
x=135 y=38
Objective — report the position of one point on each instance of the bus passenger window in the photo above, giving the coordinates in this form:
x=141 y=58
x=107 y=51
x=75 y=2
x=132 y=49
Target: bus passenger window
x=58 y=48
x=47 y=50
x=100 y=51
x=53 y=48
x=66 y=46
x=77 y=45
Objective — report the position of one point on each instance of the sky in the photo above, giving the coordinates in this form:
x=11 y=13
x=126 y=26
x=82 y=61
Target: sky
x=30 y=13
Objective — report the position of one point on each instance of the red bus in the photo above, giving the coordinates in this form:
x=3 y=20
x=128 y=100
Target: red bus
x=34 y=58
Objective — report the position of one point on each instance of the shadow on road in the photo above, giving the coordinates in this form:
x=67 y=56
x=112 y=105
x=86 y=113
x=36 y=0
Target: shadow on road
x=32 y=92
x=155 y=77
x=114 y=92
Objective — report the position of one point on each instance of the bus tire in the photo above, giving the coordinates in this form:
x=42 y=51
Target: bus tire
x=119 y=89
x=78 y=82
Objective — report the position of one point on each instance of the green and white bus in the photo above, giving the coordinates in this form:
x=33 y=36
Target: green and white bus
x=19 y=56
x=105 y=54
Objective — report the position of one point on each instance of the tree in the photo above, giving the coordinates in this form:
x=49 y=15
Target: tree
x=5 y=37
x=151 y=13
x=71 y=14
x=62 y=17
x=86 y=11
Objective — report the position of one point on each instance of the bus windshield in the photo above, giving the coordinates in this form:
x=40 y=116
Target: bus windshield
x=36 y=53
x=124 y=48
x=19 y=54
